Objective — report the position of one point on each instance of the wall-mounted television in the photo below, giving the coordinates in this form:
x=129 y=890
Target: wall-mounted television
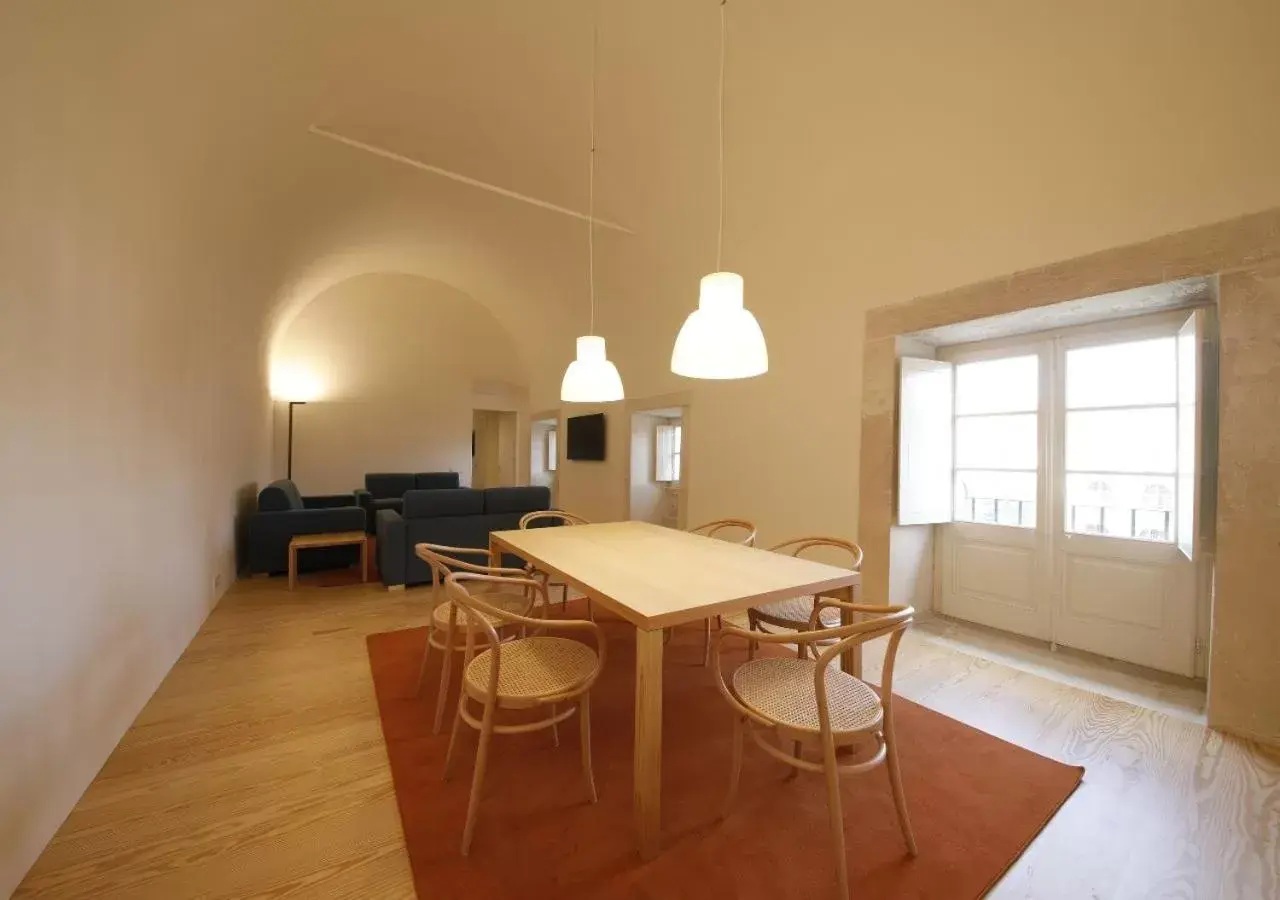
x=586 y=437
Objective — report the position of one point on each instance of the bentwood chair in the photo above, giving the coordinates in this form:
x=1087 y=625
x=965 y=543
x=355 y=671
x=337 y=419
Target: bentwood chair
x=441 y=631
x=794 y=614
x=561 y=517
x=811 y=703
x=539 y=672
x=741 y=532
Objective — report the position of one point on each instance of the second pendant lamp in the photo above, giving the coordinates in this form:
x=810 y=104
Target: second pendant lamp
x=591 y=378
x=721 y=338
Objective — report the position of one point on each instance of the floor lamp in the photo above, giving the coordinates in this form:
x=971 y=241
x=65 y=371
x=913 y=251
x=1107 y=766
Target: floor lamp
x=289 y=465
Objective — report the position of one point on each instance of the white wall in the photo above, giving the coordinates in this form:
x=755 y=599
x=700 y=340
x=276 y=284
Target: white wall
x=401 y=361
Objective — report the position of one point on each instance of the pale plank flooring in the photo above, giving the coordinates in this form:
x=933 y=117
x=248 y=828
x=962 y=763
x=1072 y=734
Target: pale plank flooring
x=258 y=770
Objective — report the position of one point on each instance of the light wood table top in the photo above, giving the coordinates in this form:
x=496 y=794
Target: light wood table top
x=656 y=577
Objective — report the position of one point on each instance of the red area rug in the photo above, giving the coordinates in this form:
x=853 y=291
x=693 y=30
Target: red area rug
x=976 y=801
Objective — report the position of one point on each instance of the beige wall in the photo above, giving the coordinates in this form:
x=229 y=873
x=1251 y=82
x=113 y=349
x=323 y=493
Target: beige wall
x=1244 y=669
x=596 y=490
x=134 y=409
x=645 y=494
x=401 y=361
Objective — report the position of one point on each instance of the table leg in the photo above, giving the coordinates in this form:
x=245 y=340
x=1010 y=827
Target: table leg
x=364 y=560
x=293 y=565
x=648 y=748
x=495 y=553
x=850 y=659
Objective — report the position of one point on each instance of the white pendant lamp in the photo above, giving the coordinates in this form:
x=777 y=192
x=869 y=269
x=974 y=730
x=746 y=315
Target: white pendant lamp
x=591 y=378
x=721 y=338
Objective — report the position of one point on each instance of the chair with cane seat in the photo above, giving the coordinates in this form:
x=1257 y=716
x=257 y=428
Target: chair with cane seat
x=807 y=702
x=537 y=672
x=557 y=517
x=794 y=613
x=440 y=633
x=715 y=529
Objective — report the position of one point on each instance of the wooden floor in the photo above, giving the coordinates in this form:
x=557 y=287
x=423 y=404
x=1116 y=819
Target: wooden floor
x=258 y=769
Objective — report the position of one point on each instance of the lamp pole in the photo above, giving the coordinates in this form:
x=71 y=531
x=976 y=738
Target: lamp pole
x=292 y=404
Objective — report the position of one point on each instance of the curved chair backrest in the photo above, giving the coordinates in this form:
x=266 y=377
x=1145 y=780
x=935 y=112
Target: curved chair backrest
x=458 y=587
x=802 y=546
x=713 y=529
x=445 y=560
x=559 y=515
x=890 y=621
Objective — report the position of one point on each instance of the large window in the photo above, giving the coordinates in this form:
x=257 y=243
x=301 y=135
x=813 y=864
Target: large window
x=997 y=441
x=667 y=453
x=1122 y=439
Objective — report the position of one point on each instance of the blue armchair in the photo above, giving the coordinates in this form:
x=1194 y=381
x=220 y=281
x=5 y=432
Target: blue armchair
x=283 y=513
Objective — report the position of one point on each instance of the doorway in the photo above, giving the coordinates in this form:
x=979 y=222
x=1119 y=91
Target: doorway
x=1074 y=474
x=493 y=448
x=544 y=453
x=656 y=468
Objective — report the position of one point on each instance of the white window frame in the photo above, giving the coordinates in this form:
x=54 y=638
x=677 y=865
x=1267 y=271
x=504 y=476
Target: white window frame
x=667 y=461
x=552 y=448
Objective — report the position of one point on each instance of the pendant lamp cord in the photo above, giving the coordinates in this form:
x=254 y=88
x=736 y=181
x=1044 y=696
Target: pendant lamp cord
x=720 y=136
x=591 y=183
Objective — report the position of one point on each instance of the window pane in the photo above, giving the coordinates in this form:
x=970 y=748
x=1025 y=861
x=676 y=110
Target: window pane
x=996 y=442
x=1122 y=440
x=1005 y=498
x=998 y=385
x=1129 y=374
x=1129 y=506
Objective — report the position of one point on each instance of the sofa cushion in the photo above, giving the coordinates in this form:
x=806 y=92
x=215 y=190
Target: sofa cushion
x=388 y=485
x=436 y=504
x=516 y=499
x=435 y=481
x=279 y=496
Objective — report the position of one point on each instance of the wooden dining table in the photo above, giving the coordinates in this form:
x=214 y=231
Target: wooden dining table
x=657 y=578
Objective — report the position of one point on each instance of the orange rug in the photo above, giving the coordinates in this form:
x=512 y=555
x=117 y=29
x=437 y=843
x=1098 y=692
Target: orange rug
x=976 y=801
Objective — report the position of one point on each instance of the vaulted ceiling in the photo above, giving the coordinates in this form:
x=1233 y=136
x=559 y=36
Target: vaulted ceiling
x=886 y=148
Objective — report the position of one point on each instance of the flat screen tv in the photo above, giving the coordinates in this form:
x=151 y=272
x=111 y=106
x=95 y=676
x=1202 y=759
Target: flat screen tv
x=586 y=437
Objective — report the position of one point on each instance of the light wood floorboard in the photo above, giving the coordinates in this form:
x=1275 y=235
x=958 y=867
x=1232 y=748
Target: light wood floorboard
x=258 y=769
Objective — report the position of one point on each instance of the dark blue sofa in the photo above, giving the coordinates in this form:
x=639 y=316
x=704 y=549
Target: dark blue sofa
x=462 y=517
x=283 y=512
x=386 y=490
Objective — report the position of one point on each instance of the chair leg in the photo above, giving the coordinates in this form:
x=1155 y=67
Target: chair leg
x=445 y=668
x=453 y=737
x=555 y=728
x=795 y=770
x=735 y=763
x=895 y=780
x=584 y=730
x=836 y=813
x=422 y=670
x=477 y=780
x=706 y=644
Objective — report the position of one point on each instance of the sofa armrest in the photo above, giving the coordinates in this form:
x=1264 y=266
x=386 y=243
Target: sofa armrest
x=392 y=562
x=329 y=501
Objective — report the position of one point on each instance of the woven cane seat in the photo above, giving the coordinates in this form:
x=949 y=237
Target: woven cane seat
x=782 y=690
x=797 y=611
x=513 y=601
x=534 y=667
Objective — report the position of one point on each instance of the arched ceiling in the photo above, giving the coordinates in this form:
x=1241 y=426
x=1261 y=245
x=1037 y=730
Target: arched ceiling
x=889 y=149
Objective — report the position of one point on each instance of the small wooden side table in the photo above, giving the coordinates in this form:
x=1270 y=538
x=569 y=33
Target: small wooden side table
x=328 y=539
